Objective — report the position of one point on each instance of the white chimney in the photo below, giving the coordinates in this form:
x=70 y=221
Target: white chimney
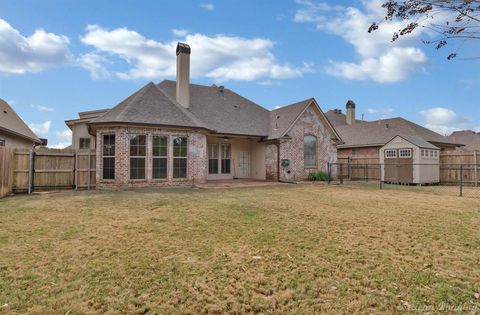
x=183 y=75
x=350 y=112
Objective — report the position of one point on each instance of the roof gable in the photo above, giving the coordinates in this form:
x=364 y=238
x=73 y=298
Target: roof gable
x=419 y=142
x=11 y=122
x=150 y=106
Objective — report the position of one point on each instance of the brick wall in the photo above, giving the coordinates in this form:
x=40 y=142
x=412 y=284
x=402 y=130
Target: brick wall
x=292 y=149
x=370 y=152
x=196 y=158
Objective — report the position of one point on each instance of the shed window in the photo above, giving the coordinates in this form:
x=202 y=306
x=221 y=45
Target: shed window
x=390 y=154
x=84 y=143
x=159 y=157
x=435 y=153
x=2 y=143
x=108 y=157
x=180 y=157
x=138 y=153
x=405 y=153
x=431 y=153
x=310 y=151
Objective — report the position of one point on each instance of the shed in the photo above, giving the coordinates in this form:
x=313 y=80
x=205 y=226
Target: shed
x=410 y=160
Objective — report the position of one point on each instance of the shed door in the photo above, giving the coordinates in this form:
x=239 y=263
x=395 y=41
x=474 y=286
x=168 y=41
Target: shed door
x=399 y=166
x=244 y=164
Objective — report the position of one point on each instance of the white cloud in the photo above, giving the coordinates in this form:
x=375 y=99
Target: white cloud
x=41 y=128
x=41 y=50
x=379 y=59
x=179 y=32
x=219 y=57
x=444 y=120
x=208 y=6
x=95 y=64
x=65 y=135
x=41 y=108
x=383 y=113
x=59 y=145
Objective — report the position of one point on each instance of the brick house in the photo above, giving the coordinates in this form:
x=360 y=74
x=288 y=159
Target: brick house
x=178 y=133
x=365 y=139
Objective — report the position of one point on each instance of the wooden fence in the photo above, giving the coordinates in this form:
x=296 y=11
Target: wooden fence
x=6 y=174
x=46 y=169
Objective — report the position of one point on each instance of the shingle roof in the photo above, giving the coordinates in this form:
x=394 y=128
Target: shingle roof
x=282 y=118
x=223 y=110
x=377 y=132
x=337 y=119
x=469 y=138
x=11 y=122
x=150 y=106
x=419 y=142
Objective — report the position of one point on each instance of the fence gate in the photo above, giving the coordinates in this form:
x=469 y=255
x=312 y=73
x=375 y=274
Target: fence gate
x=53 y=170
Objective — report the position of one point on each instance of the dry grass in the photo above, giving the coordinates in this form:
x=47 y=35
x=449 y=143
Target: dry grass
x=279 y=249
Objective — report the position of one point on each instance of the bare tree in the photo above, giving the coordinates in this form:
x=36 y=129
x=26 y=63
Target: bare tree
x=462 y=23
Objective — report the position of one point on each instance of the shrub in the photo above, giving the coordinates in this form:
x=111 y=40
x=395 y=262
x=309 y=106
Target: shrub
x=318 y=176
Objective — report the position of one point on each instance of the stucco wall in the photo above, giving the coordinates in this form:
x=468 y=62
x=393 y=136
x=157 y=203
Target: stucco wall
x=13 y=141
x=309 y=123
x=196 y=158
x=80 y=130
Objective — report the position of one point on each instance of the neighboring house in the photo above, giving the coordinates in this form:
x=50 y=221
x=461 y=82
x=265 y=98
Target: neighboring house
x=470 y=138
x=366 y=138
x=178 y=133
x=81 y=138
x=14 y=132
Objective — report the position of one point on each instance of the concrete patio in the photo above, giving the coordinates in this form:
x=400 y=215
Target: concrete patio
x=235 y=183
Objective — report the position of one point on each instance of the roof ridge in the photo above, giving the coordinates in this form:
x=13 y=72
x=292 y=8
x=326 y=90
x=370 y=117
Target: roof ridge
x=136 y=95
x=293 y=104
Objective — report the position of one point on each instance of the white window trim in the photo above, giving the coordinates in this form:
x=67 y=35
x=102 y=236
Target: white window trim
x=173 y=137
x=109 y=156
x=409 y=156
x=137 y=157
x=394 y=156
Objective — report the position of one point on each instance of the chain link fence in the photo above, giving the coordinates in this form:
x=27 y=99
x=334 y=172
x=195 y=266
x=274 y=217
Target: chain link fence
x=443 y=179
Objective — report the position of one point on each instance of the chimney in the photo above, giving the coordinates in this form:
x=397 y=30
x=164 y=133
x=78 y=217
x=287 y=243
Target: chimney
x=350 y=112
x=183 y=75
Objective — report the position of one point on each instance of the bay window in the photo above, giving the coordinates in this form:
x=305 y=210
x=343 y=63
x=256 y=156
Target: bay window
x=180 y=157
x=159 y=157
x=138 y=153
x=108 y=156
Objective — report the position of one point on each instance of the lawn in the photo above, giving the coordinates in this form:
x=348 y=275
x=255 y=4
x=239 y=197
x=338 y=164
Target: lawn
x=275 y=249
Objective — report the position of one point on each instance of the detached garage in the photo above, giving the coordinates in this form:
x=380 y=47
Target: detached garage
x=410 y=160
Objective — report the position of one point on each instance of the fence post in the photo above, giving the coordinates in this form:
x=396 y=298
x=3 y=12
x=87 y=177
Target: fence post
x=88 y=166
x=380 y=175
x=329 y=172
x=475 y=167
x=349 y=168
x=74 y=171
x=461 y=180
x=31 y=177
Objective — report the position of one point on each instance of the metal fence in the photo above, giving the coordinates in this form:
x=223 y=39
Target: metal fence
x=449 y=179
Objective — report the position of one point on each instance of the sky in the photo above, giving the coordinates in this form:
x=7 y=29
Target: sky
x=58 y=58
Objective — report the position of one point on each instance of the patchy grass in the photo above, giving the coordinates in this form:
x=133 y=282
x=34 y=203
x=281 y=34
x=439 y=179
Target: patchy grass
x=287 y=249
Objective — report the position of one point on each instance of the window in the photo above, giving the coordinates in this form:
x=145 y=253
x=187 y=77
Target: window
x=213 y=158
x=180 y=157
x=84 y=143
x=435 y=153
x=108 y=156
x=138 y=152
x=390 y=154
x=431 y=153
x=310 y=151
x=2 y=143
x=225 y=149
x=159 y=156
x=405 y=153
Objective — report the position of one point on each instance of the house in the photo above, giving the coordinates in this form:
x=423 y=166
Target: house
x=81 y=138
x=470 y=138
x=177 y=133
x=410 y=160
x=366 y=138
x=14 y=132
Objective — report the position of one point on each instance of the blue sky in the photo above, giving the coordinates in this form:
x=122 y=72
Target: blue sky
x=61 y=57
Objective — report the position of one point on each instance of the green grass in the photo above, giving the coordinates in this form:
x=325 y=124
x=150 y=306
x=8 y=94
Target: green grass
x=279 y=249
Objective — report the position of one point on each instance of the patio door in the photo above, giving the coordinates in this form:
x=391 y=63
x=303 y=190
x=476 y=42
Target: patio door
x=244 y=164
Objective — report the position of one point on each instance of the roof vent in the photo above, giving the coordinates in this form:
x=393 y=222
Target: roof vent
x=387 y=125
x=221 y=88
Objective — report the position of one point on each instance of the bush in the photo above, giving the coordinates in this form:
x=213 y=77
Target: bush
x=318 y=176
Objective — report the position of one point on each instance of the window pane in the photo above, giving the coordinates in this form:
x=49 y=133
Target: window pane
x=108 y=145
x=213 y=166
x=2 y=143
x=84 y=143
x=108 y=168
x=137 y=168
x=225 y=166
x=159 y=146
x=180 y=147
x=179 y=168
x=159 y=168
x=310 y=151
x=138 y=145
